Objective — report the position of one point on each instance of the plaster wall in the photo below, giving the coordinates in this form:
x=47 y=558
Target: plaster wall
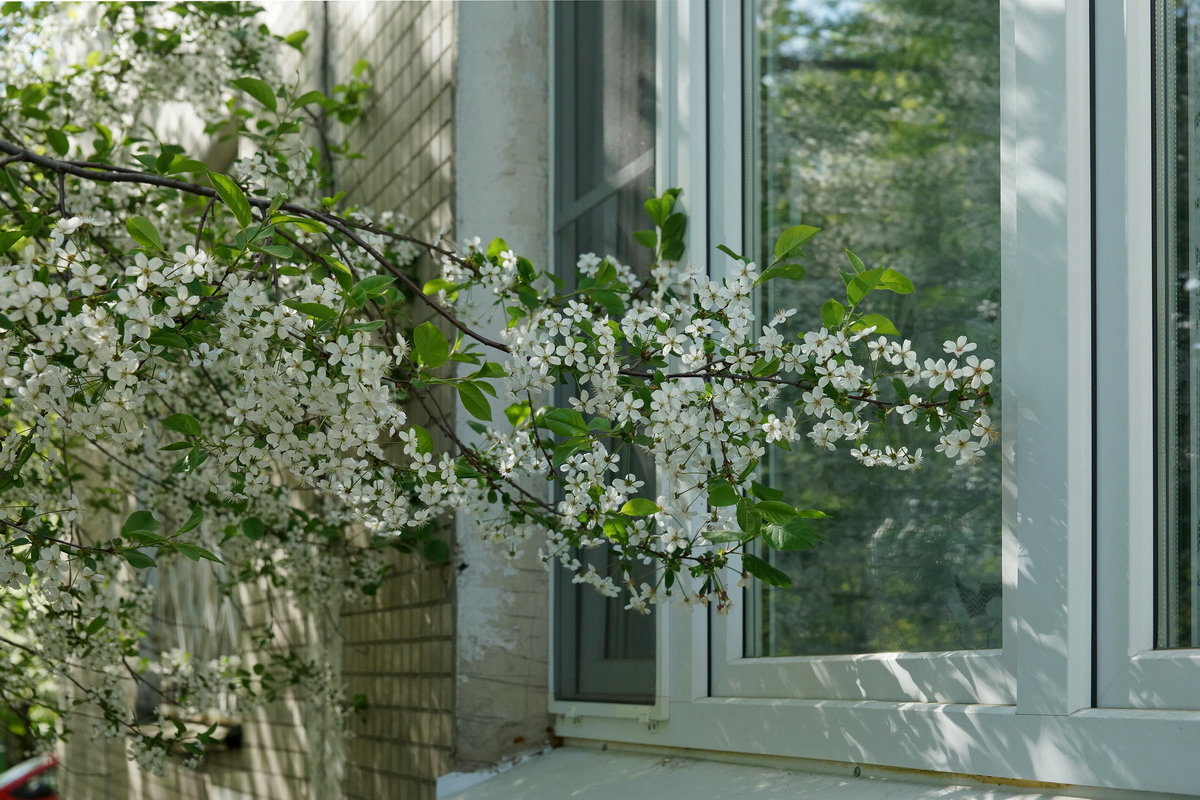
x=502 y=190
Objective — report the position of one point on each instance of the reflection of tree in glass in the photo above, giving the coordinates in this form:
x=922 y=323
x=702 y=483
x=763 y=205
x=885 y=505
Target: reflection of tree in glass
x=880 y=124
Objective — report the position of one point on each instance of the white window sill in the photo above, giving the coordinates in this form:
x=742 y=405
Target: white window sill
x=582 y=773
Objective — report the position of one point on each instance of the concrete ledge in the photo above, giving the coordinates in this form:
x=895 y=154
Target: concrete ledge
x=586 y=773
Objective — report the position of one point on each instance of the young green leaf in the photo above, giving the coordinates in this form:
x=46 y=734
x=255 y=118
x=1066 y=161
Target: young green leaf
x=232 y=196
x=792 y=272
x=58 y=140
x=182 y=423
x=765 y=572
x=474 y=402
x=796 y=534
x=790 y=240
x=253 y=527
x=776 y=511
x=832 y=314
x=167 y=339
x=431 y=345
x=748 y=518
x=194 y=552
x=721 y=494
x=140 y=526
x=193 y=520
x=856 y=262
x=139 y=560
x=259 y=90
x=143 y=232
x=879 y=322
x=895 y=282
x=639 y=507
x=863 y=284
x=316 y=310
x=564 y=421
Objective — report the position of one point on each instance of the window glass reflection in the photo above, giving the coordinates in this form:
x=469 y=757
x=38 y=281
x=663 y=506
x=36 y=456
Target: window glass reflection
x=879 y=122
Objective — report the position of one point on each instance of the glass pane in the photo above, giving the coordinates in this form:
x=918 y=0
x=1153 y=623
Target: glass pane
x=879 y=122
x=605 y=131
x=1177 y=131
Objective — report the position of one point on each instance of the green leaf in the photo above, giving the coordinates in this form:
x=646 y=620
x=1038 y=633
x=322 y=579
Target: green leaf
x=776 y=511
x=183 y=423
x=296 y=39
x=647 y=239
x=832 y=314
x=763 y=492
x=606 y=275
x=176 y=446
x=790 y=240
x=8 y=239
x=58 y=140
x=796 y=534
x=764 y=368
x=490 y=369
x=180 y=164
x=167 y=339
x=139 y=560
x=474 y=401
x=316 y=310
x=232 y=196
x=140 y=524
x=862 y=284
x=259 y=90
x=303 y=223
x=194 y=552
x=435 y=550
x=372 y=325
x=856 y=262
x=895 y=282
x=722 y=494
x=732 y=254
x=495 y=248
x=565 y=450
x=881 y=324
x=518 y=413
x=438 y=285
x=724 y=537
x=373 y=285
x=765 y=572
x=253 y=527
x=277 y=250
x=431 y=345
x=748 y=518
x=639 y=507
x=564 y=421
x=143 y=232
x=424 y=440
x=792 y=272
x=194 y=520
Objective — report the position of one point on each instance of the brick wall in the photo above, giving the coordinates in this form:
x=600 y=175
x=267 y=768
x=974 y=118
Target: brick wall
x=396 y=648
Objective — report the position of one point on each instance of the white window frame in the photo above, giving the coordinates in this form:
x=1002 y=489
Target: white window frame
x=1031 y=712
x=1131 y=673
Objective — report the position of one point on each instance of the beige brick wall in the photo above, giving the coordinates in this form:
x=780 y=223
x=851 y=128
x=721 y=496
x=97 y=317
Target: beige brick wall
x=398 y=647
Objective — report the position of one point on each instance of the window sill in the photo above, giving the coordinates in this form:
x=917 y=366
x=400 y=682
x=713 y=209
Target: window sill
x=583 y=772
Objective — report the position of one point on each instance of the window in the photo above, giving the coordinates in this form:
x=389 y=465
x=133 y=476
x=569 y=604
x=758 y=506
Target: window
x=1177 y=259
x=880 y=124
x=1082 y=669
x=604 y=169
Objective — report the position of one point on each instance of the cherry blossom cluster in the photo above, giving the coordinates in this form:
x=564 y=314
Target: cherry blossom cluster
x=215 y=371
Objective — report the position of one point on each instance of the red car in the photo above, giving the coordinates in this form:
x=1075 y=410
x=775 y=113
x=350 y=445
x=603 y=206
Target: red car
x=33 y=779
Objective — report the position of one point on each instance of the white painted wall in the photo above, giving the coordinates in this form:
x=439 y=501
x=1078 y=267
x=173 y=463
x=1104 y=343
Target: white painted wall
x=502 y=154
